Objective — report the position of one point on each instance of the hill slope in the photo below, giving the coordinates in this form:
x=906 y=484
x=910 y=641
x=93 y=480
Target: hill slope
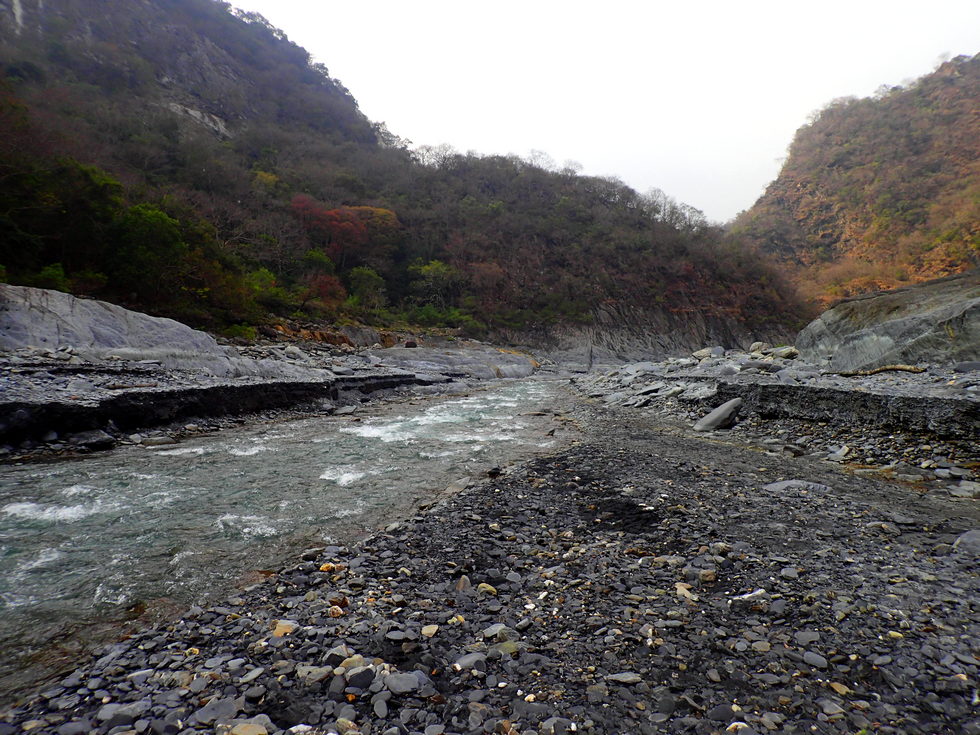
x=879 y=192
x=189 y=160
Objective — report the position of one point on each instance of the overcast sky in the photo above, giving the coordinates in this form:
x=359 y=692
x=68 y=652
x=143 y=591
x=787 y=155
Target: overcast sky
x=698 y=98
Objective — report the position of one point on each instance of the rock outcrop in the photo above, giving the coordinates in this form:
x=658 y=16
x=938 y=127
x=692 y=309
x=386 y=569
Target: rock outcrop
x=97 y=330
x=936 y=322
x=624 y=333
x=481 y=362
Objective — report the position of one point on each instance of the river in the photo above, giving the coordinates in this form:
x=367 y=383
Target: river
x=84 y=540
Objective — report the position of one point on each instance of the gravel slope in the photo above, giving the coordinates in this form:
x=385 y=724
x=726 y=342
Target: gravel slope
x=639 y=581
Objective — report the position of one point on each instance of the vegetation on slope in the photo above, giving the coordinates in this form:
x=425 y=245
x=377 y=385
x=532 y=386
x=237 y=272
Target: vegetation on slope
x=879 y=192
x=189 y=160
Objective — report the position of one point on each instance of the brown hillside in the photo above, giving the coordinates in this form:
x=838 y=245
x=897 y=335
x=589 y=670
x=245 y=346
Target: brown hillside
x=879 y=192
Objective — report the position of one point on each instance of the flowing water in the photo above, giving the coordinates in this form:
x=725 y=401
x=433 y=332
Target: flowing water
x=85 y=539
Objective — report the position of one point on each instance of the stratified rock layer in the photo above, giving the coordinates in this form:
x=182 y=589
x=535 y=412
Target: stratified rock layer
x=936 y=322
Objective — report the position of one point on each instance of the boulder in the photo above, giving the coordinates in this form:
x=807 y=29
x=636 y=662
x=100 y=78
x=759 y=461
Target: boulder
x=722 y=417
x=937 y=322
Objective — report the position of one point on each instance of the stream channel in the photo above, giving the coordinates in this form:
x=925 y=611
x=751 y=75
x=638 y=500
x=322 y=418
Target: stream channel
x=84 y=540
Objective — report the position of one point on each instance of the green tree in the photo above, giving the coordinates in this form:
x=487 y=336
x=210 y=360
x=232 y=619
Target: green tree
x=367 y=287
x=146 y=254
x=434 y=283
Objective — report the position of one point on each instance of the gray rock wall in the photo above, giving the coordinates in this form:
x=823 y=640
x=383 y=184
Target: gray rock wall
x=622 y=333
x=936 y=322
x=44 y=319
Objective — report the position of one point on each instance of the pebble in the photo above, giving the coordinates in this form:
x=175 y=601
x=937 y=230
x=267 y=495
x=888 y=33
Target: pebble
x=815 y=659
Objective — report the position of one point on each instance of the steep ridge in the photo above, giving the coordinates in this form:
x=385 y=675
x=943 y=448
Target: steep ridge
x=879 y=192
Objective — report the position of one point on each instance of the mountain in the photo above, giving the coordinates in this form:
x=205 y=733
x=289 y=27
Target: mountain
x=185 y=158
x=879 y=192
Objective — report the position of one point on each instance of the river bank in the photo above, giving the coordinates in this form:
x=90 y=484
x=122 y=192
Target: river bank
x=643 y=580
x=58 y=403
x=90 y=541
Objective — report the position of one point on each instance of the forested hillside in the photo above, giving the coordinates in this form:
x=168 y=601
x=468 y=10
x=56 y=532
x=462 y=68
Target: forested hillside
x=879 y=192
x=187 y=159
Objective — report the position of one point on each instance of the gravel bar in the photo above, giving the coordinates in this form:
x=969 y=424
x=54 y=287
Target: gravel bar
x=636 y=582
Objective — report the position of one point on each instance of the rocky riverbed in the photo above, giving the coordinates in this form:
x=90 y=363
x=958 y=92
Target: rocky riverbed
x=919 y=428
x=60 y=401
x=647 y=579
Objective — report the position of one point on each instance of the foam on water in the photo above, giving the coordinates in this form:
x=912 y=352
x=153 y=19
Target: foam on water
x=180 y=451
x=352 y=509
x=248 y=526
x=59 y=513
x=45 y=557
x=74 y=490
x=343 y=476
x=386 y=432
x=249 y=451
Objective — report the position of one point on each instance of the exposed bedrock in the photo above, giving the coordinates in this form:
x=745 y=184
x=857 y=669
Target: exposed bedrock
x=96 y=330
x=481 y=362
x=622 y=333
x=936 y=322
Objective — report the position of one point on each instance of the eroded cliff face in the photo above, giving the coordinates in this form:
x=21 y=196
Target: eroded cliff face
x=624 y=333
x=881 y=192
x=935 y=323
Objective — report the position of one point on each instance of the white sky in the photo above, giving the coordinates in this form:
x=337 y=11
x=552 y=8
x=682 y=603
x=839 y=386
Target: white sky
x=697 y=97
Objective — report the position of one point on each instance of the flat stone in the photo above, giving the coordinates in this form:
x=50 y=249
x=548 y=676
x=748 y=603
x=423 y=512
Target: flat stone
x=625 y=677
x=218 y=708
x=778 y=487
x=815 y=659
x=249 y=728
x=401 y=683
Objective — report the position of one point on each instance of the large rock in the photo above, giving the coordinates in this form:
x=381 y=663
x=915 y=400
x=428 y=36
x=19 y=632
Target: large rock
x=721 y=418
x=936 y=322
x=35 y=317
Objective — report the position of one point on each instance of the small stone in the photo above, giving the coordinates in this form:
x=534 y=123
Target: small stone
x=625 y=677
x=761 y=647
x=400 y=683
x=830 y=708
x=789 y=573
x=361 y=677
x=284 y=627
x=806 y=637
x=252 y=675
x=488 y=588
x=815 y=659
x=470 y=661
x=249 y=728
x=721 y=713
x=429 y=630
